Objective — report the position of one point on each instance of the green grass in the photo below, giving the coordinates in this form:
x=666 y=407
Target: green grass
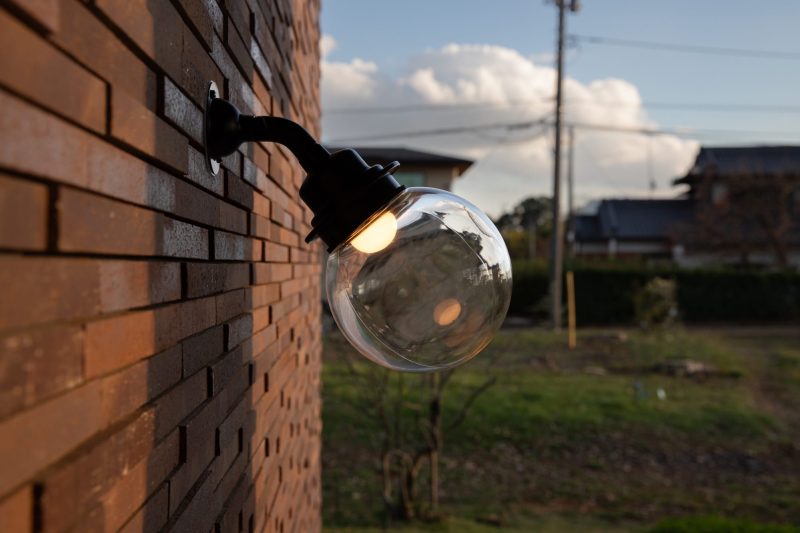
x=579 y=440
x=716 y=524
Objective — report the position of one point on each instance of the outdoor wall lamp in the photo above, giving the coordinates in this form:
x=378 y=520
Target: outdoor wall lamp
x=417 y=279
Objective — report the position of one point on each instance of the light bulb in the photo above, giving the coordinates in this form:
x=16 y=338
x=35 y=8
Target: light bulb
x=377 y=235
x=446 y=312
x=435 y=297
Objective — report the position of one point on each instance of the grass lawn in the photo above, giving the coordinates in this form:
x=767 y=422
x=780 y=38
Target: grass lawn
x=608 y=437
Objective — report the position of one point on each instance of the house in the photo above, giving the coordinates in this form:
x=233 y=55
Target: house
x=630 y=228
x=418 y=169
x=741 y=207
x=746 y=207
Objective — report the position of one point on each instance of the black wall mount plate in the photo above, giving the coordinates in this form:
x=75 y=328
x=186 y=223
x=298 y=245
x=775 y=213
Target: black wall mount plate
x=213 y=93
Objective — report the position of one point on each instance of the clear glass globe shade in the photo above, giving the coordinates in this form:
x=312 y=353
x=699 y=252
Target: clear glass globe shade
x=423 y=285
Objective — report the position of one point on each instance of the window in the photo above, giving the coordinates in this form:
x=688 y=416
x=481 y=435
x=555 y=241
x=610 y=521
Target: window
x=410 y=179
x=719 y=193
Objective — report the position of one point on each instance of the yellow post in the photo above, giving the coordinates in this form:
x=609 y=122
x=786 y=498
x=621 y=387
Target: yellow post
x=572 y=340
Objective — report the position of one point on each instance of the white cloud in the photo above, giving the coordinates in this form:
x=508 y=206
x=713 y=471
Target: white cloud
x=490 y=83
x=327 y=44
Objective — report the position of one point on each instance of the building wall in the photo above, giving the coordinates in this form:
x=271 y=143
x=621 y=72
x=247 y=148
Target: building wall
x=436 y=177
x=159 y=326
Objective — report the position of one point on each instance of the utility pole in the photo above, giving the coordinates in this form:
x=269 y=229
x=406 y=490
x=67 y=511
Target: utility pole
x=570 y=186
x=557 y=244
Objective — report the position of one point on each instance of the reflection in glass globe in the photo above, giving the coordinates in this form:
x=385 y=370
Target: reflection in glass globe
x=424 y=285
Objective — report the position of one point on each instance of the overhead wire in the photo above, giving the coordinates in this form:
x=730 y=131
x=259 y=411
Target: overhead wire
x=695 y=106
x=687 y=48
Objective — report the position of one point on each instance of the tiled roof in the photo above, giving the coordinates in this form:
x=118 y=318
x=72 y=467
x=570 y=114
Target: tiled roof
x=631 y=219
x=731 y=160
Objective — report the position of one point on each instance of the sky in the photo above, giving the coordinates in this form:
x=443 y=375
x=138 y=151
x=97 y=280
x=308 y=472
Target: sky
x=492 y=61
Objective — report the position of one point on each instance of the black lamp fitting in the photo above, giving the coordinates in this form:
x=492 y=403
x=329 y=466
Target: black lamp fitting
x=342 y=191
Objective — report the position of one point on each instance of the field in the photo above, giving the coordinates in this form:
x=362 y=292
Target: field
x=624 y=433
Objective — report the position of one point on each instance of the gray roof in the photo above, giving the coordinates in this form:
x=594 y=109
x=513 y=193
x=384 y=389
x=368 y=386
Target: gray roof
x=731 y=160
x=383 y=154
x=629 y=219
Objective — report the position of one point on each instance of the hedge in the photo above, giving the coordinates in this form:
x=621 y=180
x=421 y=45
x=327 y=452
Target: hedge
x=604 y=293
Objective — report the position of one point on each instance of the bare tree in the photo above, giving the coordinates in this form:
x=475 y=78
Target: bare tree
x=746 y=212
x=408 y=454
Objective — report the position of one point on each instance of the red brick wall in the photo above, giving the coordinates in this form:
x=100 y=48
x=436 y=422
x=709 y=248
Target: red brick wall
x=159 y=332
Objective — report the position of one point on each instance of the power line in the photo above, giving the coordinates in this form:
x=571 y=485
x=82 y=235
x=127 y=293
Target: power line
x=696 y=106
x=688 y=48
x=426 y=107
x=611 y=128
x=745 y=108
x=445 y=131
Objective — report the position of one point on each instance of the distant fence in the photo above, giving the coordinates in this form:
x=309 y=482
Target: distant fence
x=604 y=294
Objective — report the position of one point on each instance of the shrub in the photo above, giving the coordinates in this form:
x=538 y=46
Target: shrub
x=605 y=294
x=655 y=305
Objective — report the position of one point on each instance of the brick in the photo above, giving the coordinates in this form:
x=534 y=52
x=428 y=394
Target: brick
x=47 y=432
x=210 y=278
x=89 y=223
x=25 y=129
x=238 y=16
x=200 y=350
x=181 y=400
x=116 y=173
x=16 y=511
x=137 y=126
x=197 y=67
x=222 y=59
x=23 y=214
x=227 y=369
x=232 y=218
x=238 y=330
x=275 y=253
x=75 y=487
x=261 y=318
x=260 y=226
x=94 y=44
x=119 y=341
x=232 y=247
x=133 y=387
x=236 y=42
x=271 y=272
x=266 y=294
x=152 y=26
x=249 y=170
x=179 y=109
x=59 y=288
x=260 y=62
x=205 y=16
x=233 y=303
x=128 y=284
x=78 y=95
x=199 y=173
x=131 y=491
x=152 y=516
x=44 y=12
x=282 y=217
x=283 y=235
x=195 y=204
x=239 y=192
x=36 y=364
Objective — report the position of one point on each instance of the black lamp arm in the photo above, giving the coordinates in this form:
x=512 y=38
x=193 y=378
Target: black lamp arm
x=226 y=129
x=341 y=189
x=312 y=156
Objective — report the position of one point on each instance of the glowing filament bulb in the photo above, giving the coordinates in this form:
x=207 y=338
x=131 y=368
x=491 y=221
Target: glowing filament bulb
x=377 y=235
x=446 y=312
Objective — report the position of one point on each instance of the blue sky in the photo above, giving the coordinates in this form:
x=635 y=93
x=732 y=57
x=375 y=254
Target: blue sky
x=391 y=34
